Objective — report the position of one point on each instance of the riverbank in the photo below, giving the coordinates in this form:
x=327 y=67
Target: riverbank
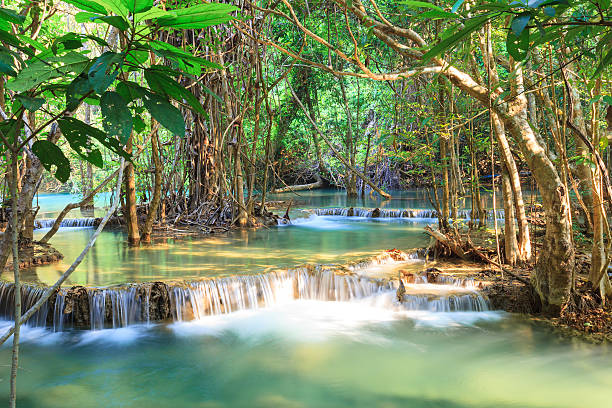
x=510 y=289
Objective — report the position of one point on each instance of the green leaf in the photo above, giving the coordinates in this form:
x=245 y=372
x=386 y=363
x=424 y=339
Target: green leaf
x=11 y=16
x=437 y=14
x=162 y=84
x=50 y=155
x=115 y=21
x=518 y=46
x=78 y=88
x=169 y=51
x=166 y=114
x=448 y=43
x=85 y=17
x=87 y=6
x=200 y=16
x=605 y=61
x=420 y=4
x=154 y=12
x=102 y=73
x=70 y=41
x=41 y=71
x=83 y=146
x=116 y=117
x=115 y=6
x=519 y=23
x=7 y=62
x=30 y=103
x=130 y=91
x=139 y=124
x=75 y=129
x=137 y=6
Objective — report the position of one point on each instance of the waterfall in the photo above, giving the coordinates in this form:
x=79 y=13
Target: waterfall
x=396 y=213
x=124 y=305
x=66 y=223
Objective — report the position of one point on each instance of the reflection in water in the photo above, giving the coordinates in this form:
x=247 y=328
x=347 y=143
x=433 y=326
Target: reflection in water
x=323 y=240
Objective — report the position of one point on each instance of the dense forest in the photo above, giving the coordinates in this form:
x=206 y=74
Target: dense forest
x=200 y=118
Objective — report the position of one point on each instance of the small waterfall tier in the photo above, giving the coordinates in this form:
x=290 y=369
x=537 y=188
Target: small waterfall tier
x=66 y=223
x=129 y=304
x=394 y=213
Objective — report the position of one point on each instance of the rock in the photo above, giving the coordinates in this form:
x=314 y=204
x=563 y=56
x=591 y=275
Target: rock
x=432 y=274
x=409 y=277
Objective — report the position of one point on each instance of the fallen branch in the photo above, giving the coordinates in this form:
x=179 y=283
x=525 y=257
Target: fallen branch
x=300 y=187
x=453 y=246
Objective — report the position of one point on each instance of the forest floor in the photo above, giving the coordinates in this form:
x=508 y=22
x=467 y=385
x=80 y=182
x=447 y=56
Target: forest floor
x=510 y=289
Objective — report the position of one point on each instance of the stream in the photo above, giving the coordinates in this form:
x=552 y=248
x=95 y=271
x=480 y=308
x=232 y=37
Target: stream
x=299 y=339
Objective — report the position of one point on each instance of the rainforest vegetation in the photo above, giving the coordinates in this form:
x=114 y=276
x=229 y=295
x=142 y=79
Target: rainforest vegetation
x=190 y=115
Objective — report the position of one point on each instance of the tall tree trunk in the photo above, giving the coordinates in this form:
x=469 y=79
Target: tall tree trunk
x=157 y=187
x=130 y=214
x=510 y=242
x=351 y=179
x=88 y=182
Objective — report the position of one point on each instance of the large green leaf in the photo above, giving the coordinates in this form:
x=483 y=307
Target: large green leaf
x=39 y=71
x=449 y=42
x=161 y=83
x=169 y=51
x=87 y=5
x=114 y=6
x=604 y=62
x=78 y=129
x=116 y=117
x=518 y=46
x=30 y=103
x=420 y=4
x=83 y=146
x=152 y=13
x=166 y=114
x=104 y=70
x=130 y=91
x=50 y=155
x=7 y=62
x=75 y=91
x=200 y=16
x=137 y=6
x=519 y=23
x=11 y=16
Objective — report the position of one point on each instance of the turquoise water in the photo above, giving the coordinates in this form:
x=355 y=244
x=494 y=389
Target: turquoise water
x=315 y=354
x=368 y=352
x=310 y=239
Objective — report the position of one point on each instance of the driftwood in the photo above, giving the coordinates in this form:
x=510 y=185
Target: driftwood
x=300 y=187
x=448 y=242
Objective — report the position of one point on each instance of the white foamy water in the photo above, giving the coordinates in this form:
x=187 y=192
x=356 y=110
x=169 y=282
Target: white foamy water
x=312 y=320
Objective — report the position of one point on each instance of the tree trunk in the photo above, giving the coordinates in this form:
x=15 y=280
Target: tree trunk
x=130 y=214
x=510 y=242
x=157 y=188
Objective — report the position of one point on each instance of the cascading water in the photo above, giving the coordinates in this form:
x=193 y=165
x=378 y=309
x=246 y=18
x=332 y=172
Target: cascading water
x=395 y=213
x=121 y=306
x=66 y=223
